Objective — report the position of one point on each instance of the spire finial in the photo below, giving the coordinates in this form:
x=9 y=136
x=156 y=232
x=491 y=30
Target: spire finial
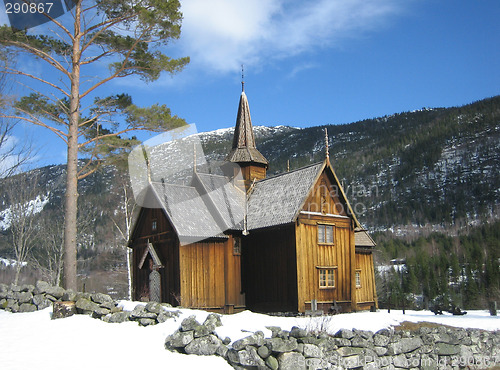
x=242 y=78
x=326 y=143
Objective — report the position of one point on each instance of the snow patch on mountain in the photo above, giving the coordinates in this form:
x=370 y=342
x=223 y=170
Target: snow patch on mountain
x=32 y=207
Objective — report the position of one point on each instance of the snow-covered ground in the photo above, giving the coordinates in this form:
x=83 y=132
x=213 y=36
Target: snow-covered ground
x=33 y=340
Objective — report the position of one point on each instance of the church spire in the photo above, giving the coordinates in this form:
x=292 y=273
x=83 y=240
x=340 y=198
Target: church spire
x=250 y=161
x=243 y=149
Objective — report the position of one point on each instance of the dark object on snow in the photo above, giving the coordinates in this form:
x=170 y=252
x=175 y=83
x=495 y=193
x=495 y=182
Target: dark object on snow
x=437 y=310
x=63 y=309
x=455 y=310
x=334 y=309
x=493 y=308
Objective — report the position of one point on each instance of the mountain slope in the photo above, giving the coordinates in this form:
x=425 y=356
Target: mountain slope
x=433 y=166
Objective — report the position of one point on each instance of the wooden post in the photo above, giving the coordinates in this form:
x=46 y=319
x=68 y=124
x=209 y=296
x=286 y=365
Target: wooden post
x=314 y=305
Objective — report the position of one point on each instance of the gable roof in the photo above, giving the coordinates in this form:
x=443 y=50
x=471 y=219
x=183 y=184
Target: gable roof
x=279 y=199
x=187 y=212
x=228 y=200
x=243 y=148
x=151 y=250
x=276 y=200
x=205 y=210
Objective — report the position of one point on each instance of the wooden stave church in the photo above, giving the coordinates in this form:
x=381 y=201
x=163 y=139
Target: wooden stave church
x=273 y=260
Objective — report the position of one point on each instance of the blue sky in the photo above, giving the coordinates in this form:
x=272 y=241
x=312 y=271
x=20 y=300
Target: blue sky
x=321 y=62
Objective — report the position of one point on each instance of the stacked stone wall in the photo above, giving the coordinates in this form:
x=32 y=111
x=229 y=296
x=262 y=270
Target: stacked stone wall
x=425 y=348
x=30 y=298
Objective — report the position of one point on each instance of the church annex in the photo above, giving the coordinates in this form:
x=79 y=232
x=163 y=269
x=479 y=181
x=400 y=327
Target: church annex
x=298 y=241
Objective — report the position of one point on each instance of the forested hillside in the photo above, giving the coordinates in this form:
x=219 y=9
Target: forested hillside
x=433 y=166
x=463 y=269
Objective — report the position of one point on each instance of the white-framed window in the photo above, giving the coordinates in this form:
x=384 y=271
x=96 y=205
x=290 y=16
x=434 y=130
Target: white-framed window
x=325 y=234
x=358 y=278
x=326 y=277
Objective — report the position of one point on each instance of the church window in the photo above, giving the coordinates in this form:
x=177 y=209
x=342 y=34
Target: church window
x=326 y=278
x=358 y=278
x=325 y=234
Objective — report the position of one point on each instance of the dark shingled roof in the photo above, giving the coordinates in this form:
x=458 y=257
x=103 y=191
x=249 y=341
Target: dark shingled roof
x=243 y=149
x=277 y=200
x=207 y=209
x=186 y=210
x=227 y=198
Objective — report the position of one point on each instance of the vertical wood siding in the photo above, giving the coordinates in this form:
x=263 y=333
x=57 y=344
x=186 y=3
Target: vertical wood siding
x=311 y=255
x=232 y=273
x=364 y=263
x=166 y=245
x=325 y=198
x=202 y=275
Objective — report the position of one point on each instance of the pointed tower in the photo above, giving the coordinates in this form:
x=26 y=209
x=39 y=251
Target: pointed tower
x=243 y=152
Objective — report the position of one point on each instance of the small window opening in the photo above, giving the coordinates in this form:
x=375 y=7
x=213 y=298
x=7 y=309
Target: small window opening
x=325 y=234
x=358 y=279
x=236 y=246
x=326 y=278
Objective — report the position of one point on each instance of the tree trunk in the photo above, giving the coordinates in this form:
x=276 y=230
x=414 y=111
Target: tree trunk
x=129 y=271
x=71 y=205
x=18 y=271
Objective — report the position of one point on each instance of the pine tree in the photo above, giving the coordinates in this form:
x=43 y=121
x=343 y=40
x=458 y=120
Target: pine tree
x=130 y=36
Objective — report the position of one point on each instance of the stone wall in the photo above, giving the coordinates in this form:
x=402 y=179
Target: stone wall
x=424 y=348
x=29 y=298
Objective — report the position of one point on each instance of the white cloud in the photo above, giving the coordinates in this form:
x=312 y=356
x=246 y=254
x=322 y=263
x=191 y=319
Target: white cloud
x=302 y=67
x=6 y=159
x=222 y=34
x=15 y=151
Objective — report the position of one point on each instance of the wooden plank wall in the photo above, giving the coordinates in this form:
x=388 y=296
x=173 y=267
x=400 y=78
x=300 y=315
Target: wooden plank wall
x=232 y=273
x=270 y=269
x=166 y=244
x=325 y=198
x=365 y=294
x=251 y=171
x=310 y=255
x=202 y=275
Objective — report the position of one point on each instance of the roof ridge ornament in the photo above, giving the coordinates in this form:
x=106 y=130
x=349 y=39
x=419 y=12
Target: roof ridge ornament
x=326 y=144
x=242 y=78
